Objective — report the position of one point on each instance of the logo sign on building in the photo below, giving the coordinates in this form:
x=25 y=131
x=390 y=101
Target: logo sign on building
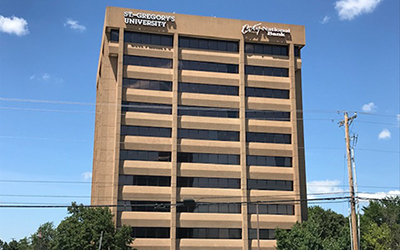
x=146 y=19
x=257 y=28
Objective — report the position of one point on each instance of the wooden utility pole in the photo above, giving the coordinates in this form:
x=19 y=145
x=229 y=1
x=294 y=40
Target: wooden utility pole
x=354 y=233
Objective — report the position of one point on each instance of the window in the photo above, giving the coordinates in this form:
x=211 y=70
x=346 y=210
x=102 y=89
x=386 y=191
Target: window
x=267 y=93
x=267 y=115
x=209 y=158
x=199 y=134
x=209 y=233
x=208 y=66
x=297 y=51
x=266 y=71
x=265 y=234
x=148 y=61
x=145 y=131
x=208 y=111
x=142 y=155
x=144 y=180
x=150 y=232
x=271 y=161
x=268 y=138
x=144 y=206
x=208 y=89
x=114 y=35
x=208 y=44
x=266 y=49
x=146 y=84
x=202 y=182
x=279 y=209
x=146 y=107
x=145 y=38
x=278 y=185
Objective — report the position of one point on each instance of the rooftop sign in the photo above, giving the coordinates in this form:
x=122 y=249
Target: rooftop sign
x=257 y=28
x=146 y=19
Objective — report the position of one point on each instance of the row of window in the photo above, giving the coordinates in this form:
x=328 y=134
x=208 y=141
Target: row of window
x=233 y=208
x=267 y=115
x=145 y=131
x=264 y=234
x=143 y=155
x=146 y=84
x=146 y=38
x=204 y=88
x=208 y=111
x=209 y=158
x=208 y=66
x=272 y=161
x=280 y=209
x=268 y=138
x=266 y=49
x=209 y=233
x=154 y=108
x=208 y=44
x=269 y=185
x=148 y=61
x=203 y=182
x=267 y=93
x=266 y=71
x=208 y=89
x=200 y=134
x=150 y=232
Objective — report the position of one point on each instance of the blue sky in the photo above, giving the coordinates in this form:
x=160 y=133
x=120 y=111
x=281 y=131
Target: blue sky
x=48 y=60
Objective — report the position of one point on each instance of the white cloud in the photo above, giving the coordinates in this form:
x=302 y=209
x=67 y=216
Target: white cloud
x=46 y=77
x=73 y=24
x=398 y=119
x=14 y=25
x=326 y=19
x=369 y=107
x=349 y=9
x=323 y=187
x=379 y=195
x=87 y=175
x=384 y=134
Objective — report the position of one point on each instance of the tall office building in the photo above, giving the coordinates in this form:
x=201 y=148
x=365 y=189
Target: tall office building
x=203 y=109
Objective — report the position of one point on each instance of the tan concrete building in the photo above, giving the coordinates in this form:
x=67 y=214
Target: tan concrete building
x=205 y=109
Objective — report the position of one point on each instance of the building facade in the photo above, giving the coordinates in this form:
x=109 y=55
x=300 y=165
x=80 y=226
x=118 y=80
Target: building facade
x=199 y=132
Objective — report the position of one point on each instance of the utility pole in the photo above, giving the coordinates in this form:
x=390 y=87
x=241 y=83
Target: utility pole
x=354 y=233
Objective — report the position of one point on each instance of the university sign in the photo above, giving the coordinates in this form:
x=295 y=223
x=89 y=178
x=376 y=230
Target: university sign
x=257 y=28
x=146 y=19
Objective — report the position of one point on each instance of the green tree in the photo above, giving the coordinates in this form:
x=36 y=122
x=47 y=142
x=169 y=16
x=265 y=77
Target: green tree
x=44 y=237
x=324 y=230
x=83 y=228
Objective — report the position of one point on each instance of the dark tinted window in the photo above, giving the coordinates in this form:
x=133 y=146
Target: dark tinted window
x=148 y=61
x=144 y=206
x=144 y=180
x=208 y=134
x=265 y=234
x=211 y=208
x=146 y=84
x=208 y=111
x=114 y=35
x=202 y=182
x=150 y=232
x=142 y=155
x=272 y=161
x=266 y=71
x=144 y=38
x=267 y=115
x=209 y=158
x=145 y=131
x=297 y=52
x=208 y=89
x=280 y=209
x=146 y=107
x=269 y=185
x=208 y=44
x=208 y=66
x=268 y=93
x=268 y=137
x=266 y=49
x=209 y=233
